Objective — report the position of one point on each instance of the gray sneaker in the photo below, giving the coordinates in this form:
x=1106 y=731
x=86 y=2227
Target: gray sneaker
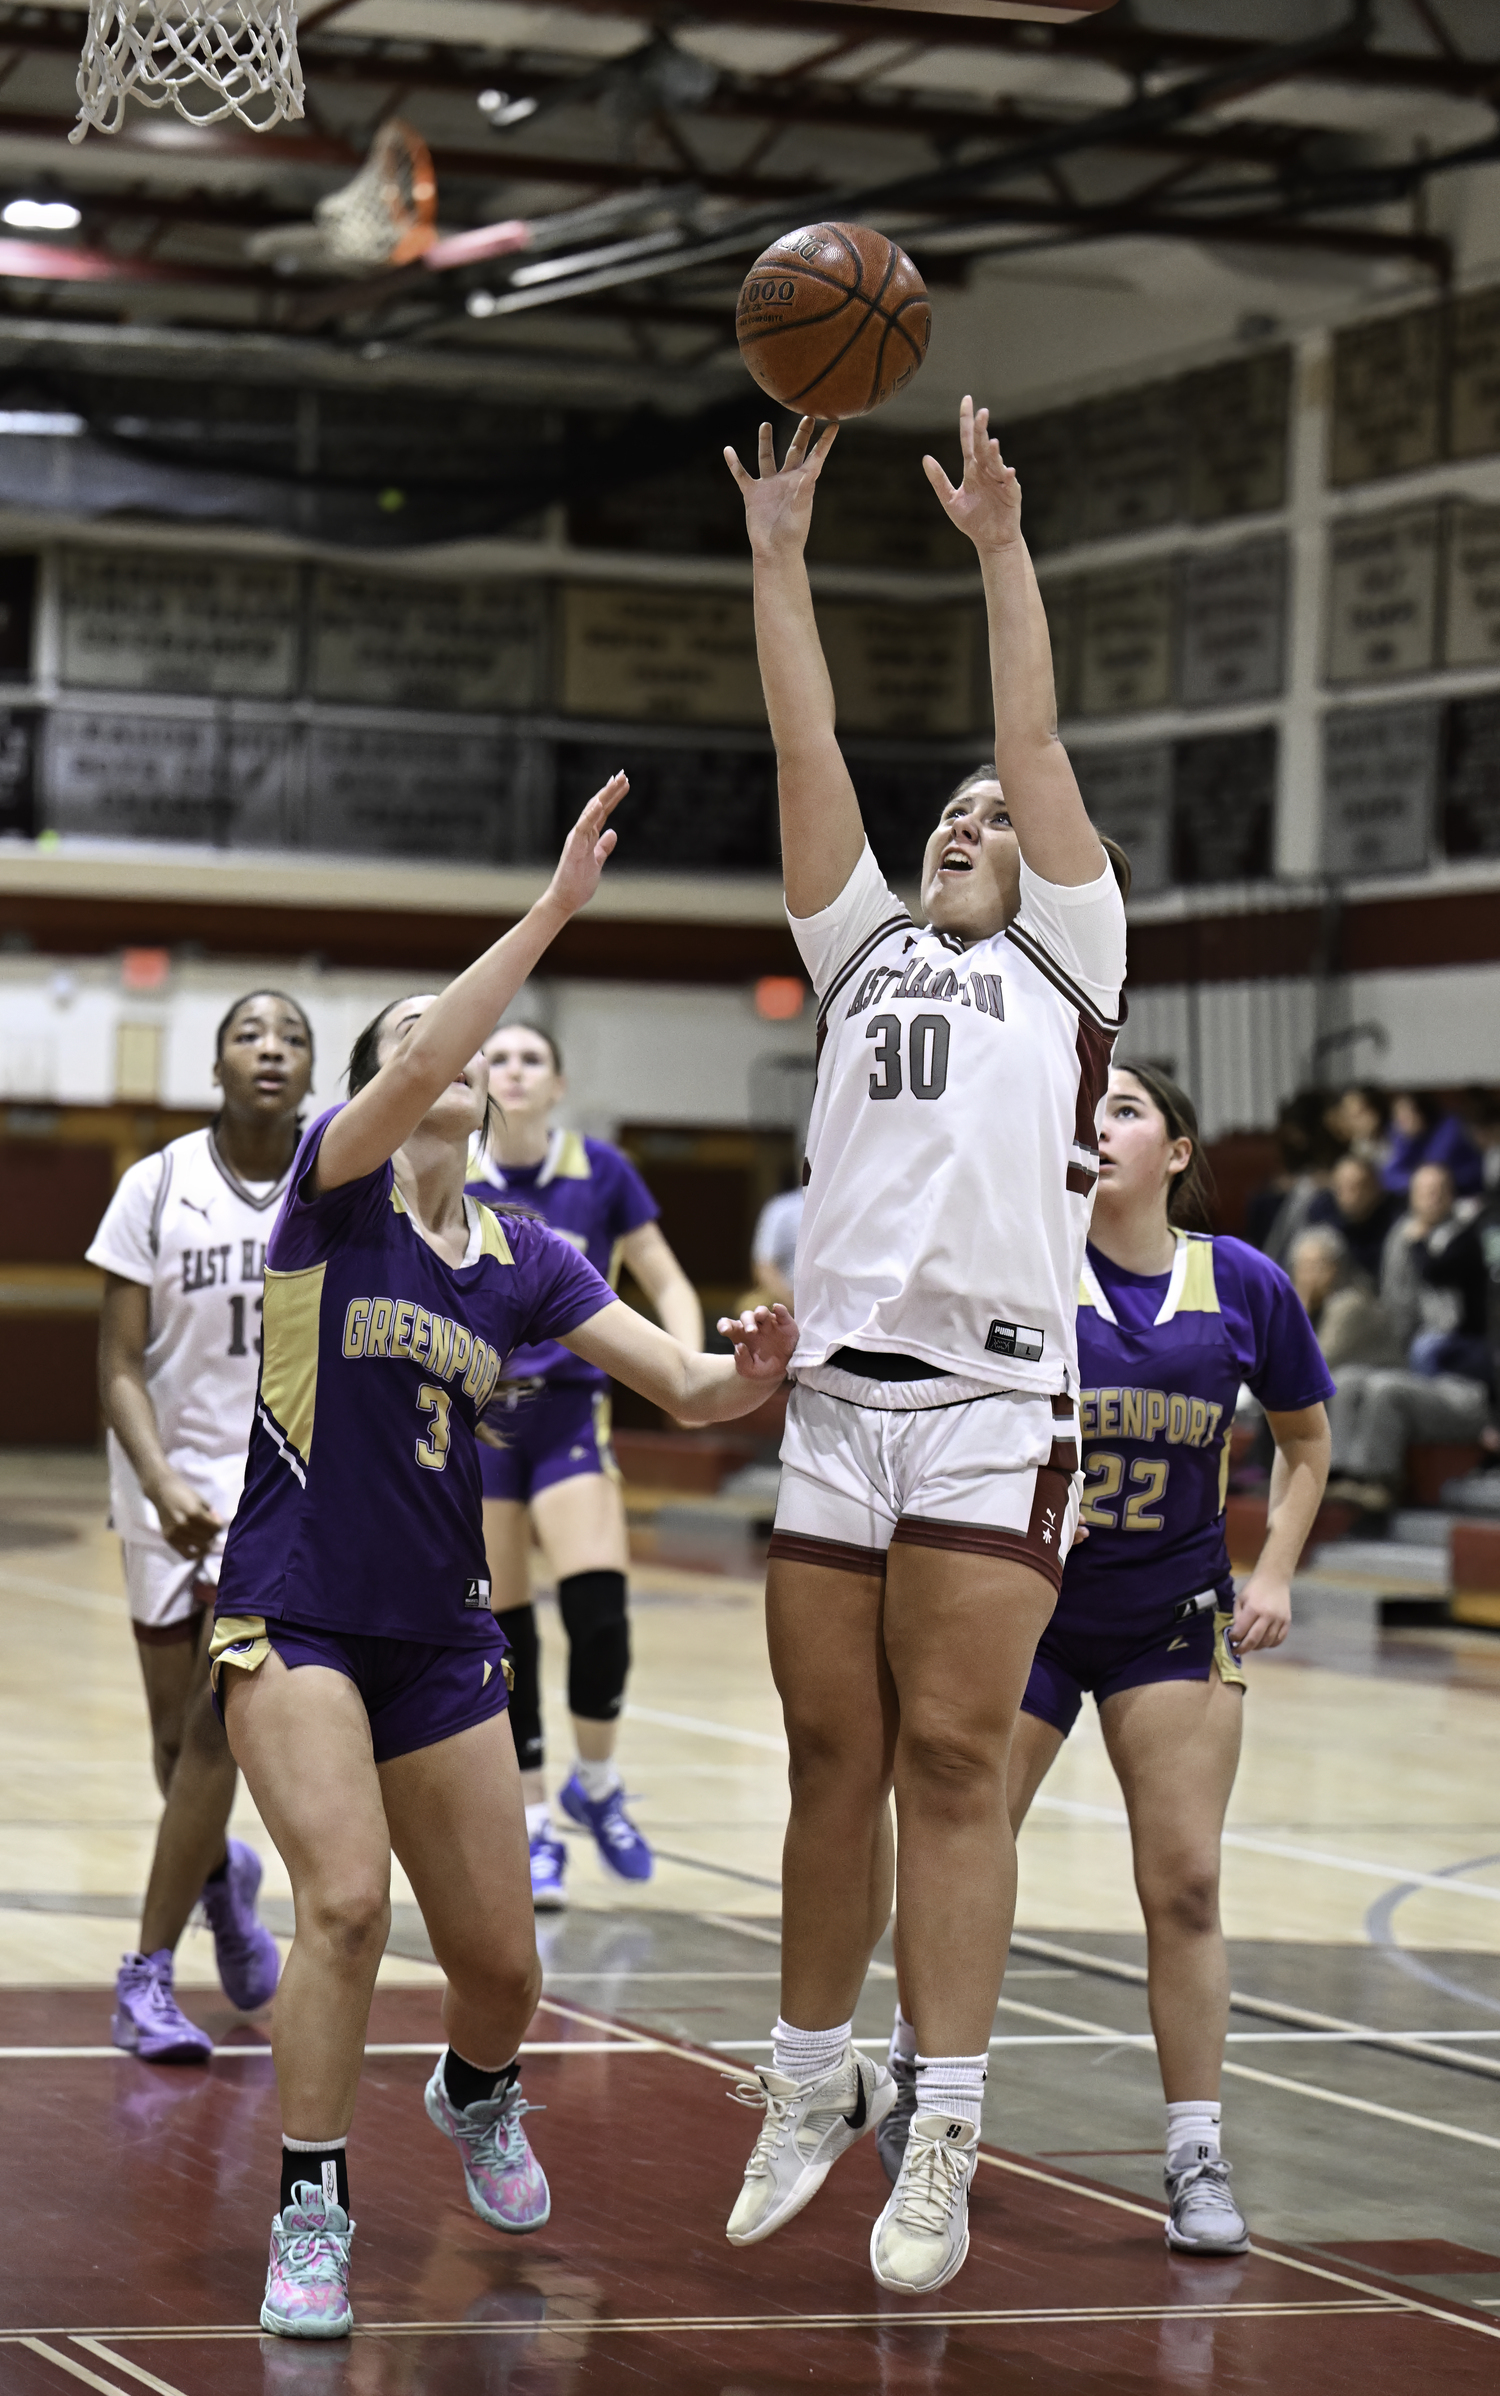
x=808 y=2125
x=1204 y=2218
x=922 y=2237
x=890 y=2138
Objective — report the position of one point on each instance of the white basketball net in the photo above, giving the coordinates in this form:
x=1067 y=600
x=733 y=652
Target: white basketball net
x=208 y=59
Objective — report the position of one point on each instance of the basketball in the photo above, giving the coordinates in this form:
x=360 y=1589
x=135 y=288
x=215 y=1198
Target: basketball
x=832 y=320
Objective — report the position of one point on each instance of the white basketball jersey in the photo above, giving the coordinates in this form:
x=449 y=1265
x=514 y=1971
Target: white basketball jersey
x=952 y=1154
x=189 y=1231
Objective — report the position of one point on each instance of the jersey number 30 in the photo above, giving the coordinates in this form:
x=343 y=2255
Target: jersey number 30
x=433 y=1399
x=1105 y=1475
x=926 y=1055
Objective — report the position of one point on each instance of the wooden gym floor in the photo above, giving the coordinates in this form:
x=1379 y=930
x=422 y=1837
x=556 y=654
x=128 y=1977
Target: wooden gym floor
x=1362 y=1881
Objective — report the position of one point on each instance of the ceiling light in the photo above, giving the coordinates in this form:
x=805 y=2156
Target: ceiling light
x=502 y=110
x=41 y=216
x=40 y=420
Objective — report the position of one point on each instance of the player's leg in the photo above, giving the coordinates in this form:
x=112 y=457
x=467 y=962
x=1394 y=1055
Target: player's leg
x=579 y=1514
x=507 y=1547
x=302 y=1739
x=458 y=1825
x=1175 y=1747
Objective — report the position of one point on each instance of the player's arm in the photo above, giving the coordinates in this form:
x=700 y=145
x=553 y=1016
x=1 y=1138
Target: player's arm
x=691 y=1387
x=188 y=1521
x=1263 y=1612
x=1046 y=806
x=673 y=1297
x=822 y=836
x=441 y=1042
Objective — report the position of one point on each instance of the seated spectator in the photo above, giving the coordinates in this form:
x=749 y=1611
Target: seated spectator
x=1357 y=1205
x=1351 y=1324
x=1417 y=1309
x=1359 y=1117
x=1424 y=1133
x=773 y=1245
x=1461 y=1269
x=1276 y=1213
x=1482 y=1115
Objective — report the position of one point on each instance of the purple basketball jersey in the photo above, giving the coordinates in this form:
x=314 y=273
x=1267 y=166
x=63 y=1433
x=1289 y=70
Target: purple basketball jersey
x=591 y=1194
x=1161 y=1360
x=361 y=1510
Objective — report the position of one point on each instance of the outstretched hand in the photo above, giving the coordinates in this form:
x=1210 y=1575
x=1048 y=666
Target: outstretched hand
x=778 y=500
x=763 y=1338
x=987 y=503
x=586 y=848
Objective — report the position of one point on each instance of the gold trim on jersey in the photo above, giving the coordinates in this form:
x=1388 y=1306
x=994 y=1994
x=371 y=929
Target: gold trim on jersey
x=492 y=1240
x=1228 y=1664
x=568 y=1161
x=289 y=1372
x=1191 y=1290
x=238 y=1639
x=603 y=1439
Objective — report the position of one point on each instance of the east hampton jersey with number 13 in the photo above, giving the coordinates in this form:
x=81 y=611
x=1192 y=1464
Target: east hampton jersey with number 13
x=952 y=1154
x=183 y=1227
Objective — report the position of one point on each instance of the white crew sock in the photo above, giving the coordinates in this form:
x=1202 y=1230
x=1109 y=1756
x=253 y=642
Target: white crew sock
x=807 y=2054
x=1192 y=2133
x=597 y=1781
x=537 y=1820
x=903 y=2046
x=952 y=2084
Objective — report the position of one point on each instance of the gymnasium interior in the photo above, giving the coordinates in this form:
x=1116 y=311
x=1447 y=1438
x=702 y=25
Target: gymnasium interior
x=344 y=550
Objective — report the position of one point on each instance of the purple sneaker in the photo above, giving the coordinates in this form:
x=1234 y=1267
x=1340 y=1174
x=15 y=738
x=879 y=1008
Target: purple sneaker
x=307 y=2277
x=247 y=1956
x=549 y=1861
x=148 y=2021
x=506 y=2184
x=619 y=1842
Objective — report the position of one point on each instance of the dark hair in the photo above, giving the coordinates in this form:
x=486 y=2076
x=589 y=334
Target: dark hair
x=286 y=999
x=1119 y=863
x=1191 y=1195
x=538 y=1032
x=1427 y=1106
x=364 y=1060
x=1373 y=1096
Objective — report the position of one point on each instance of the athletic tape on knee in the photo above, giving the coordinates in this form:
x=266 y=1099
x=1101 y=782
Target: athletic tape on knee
x=519 y=1625
x=592 y=1605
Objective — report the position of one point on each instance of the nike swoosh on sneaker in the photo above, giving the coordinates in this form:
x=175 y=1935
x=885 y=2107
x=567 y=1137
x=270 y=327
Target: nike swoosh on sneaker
x=856 y=2119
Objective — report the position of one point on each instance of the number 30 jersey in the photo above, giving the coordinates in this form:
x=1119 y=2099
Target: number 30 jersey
x=362 y=1507
x=183 y=1227
x=952 y=1155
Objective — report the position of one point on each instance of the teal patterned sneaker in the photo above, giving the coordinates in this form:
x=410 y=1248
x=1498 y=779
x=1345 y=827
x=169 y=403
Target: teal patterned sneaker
x=922 y=2238
x=307 y=2278
x=808 y=2125
x=506 y=2184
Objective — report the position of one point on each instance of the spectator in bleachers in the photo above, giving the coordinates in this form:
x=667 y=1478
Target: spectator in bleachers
x=1482 y=1115
x=1358 y=1206
x=1352 y=1326
x=1417 y=1308
x=1425 y=1133
x=1360 y=1118
x=1276 y=1213
x=773 y=1245
x=1462 y=1271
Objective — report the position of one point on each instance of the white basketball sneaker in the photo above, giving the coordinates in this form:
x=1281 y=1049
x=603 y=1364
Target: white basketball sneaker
x=808 y=2125
x=922 y=2237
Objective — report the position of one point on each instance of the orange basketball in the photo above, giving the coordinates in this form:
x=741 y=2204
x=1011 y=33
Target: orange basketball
x=832 y=320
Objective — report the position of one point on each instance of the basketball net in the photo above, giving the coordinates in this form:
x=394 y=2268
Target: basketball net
x=208 y=59
x=386 y=217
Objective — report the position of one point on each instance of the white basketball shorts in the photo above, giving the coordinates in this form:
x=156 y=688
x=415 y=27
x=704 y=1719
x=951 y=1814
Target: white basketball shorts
x=168 y=1592
x=995 y=1476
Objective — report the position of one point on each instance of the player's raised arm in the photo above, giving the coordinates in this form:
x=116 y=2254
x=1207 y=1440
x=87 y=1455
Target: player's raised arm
x=1046 y=807
x=443 y=1039
x=821 y=832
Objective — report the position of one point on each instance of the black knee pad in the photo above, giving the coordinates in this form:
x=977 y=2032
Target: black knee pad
x=592 y=1605
x=519 y=1625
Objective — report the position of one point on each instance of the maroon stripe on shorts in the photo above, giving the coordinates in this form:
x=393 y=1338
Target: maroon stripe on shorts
x=1039 y=1546
x=1080 y=1180
x=1063 y=1457
x=835 y=1555
x=1062 y=1410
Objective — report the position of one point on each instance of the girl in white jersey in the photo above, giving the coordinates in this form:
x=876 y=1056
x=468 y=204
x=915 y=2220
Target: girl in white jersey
x=183 y=1249
x=929 y=1487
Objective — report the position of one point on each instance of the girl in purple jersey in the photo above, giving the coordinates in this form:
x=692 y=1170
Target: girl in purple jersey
x=547 y=1463
x=1171 y=1324
x=359 y=1665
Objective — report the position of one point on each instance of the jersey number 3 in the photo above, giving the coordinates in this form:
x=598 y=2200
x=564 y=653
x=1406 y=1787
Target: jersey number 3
x=926 y=1055
x=432 y=1452
x=1105 y=1475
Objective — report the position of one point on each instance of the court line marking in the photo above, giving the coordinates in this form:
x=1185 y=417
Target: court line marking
x=91 y=2379
x=1118 y=2038
x=136 y=2371
x=619 y=2045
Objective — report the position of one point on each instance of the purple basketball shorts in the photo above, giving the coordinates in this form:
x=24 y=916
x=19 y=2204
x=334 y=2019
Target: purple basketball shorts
x=1185 y=1643
x=414 y=1693
x=543 y=1434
